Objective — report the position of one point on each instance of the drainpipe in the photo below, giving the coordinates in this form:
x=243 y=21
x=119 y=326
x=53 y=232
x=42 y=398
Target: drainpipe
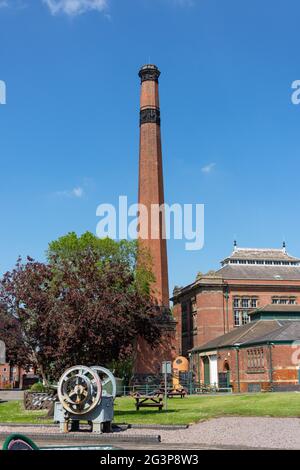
x=191 y=371
x=271 y=365
x=238 y=367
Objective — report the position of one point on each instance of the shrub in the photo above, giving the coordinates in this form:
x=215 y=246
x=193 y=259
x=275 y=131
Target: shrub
x=38 y=387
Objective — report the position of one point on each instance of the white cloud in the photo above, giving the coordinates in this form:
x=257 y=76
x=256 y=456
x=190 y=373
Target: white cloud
x=208 y=168
x=77 y=192
x=75 y=7
x=13 y=4
x=78 y=7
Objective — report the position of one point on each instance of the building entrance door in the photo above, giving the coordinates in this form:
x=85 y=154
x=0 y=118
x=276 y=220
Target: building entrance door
x=206 y=370
x=227 y=371
x=224 y=377
x=213 y=365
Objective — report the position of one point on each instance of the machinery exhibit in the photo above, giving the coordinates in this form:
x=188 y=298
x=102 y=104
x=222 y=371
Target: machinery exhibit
x=86 y=395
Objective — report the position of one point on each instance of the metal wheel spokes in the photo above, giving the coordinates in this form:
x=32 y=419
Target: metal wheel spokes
x=79 y=389
x=108 y=381
x=76 y=390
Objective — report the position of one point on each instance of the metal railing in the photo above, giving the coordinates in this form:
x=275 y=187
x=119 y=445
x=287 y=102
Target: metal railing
x=193 y=388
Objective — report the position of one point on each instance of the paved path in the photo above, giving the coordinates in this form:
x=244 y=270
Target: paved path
x=221 y=433
x=10 y=395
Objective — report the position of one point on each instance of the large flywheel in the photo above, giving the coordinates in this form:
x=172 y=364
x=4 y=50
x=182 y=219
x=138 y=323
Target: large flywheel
x=108 y=381
x=79 y=389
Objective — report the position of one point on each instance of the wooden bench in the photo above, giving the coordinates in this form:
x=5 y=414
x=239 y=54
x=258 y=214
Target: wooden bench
x=148 y=401
x=180 y=392
x=174 y=392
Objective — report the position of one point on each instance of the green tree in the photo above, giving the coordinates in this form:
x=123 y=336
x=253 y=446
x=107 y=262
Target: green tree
x=73 y=312
x=135 y=259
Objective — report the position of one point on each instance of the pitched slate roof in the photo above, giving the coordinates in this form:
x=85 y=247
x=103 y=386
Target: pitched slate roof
x=272 y=272
x=289 y=331
x=258 y=332
x=277 y=308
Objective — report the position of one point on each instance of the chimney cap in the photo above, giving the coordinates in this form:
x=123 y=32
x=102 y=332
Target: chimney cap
x=149 y=72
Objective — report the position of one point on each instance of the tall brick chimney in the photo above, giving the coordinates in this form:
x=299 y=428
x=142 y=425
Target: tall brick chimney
x=151 y=225
x=151 y=188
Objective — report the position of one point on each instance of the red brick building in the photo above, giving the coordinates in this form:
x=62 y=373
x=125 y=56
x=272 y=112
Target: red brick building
x=10 y=376
x=220 y=301
x=16 y=377
x=261 y=355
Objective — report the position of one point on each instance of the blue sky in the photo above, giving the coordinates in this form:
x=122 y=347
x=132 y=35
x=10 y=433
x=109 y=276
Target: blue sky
x=69 y=131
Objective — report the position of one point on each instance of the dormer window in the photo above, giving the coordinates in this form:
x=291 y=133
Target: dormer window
x=284 y=301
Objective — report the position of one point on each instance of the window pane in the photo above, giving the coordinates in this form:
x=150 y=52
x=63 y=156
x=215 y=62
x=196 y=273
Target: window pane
x=245 y=317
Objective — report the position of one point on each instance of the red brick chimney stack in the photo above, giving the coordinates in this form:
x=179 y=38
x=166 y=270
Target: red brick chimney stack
x=151 y=188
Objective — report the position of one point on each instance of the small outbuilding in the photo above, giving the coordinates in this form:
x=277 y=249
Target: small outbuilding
x=261 y=355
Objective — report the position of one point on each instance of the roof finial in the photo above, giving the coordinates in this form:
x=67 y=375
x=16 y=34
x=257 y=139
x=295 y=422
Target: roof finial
x=234 y=245
x=284 y=246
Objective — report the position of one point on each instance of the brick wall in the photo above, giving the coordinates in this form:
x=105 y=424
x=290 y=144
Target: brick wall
x=215 y=316
x=10 y=377
x=178 y=335
x=285 y=369
x=210 y=315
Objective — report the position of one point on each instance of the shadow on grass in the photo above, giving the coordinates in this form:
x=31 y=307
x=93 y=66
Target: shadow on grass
x=145 y=413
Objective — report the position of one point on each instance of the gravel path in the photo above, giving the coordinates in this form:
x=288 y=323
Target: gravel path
x=279 y=433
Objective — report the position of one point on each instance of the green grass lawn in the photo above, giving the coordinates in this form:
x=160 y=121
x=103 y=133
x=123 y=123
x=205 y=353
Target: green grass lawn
x=180 y=411
x=195 y=408
x=14 y=412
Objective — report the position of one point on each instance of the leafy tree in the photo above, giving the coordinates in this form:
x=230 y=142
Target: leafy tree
x=71 y=247
x=102 y=314
x=88 y=304
x=27 y=326
x=130 y=254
